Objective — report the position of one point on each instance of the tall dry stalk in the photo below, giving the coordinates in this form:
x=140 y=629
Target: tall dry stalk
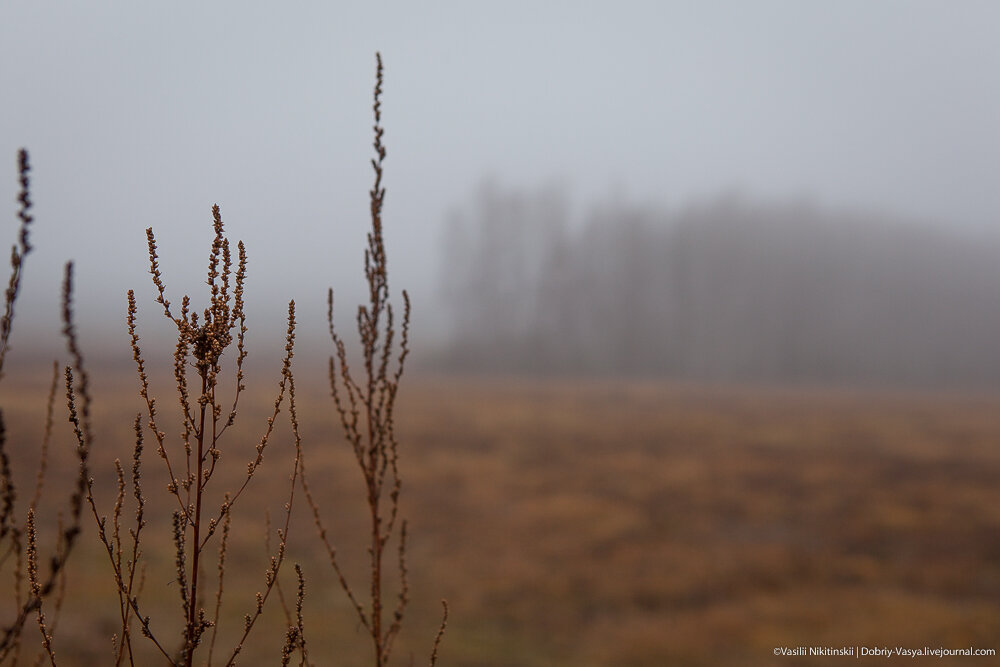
x=201 y=518
x=19 y=537
x=192 y=461
x=365 y=406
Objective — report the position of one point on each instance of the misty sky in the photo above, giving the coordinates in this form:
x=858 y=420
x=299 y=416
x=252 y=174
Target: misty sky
x=145 y=114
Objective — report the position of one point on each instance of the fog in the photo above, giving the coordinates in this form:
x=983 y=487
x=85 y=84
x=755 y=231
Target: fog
x=142 y=115
x=725 y=289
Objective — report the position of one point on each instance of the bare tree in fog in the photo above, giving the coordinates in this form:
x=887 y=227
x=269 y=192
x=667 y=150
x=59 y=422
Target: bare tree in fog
x=728 y=289
x=495 y=266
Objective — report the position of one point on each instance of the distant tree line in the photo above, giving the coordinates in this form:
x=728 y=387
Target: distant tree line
x=729 y=289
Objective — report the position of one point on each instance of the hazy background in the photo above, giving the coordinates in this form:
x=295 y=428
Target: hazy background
x=702 y=134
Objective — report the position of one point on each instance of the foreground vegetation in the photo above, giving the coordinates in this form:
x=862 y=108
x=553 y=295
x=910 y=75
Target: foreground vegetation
x=201 y=472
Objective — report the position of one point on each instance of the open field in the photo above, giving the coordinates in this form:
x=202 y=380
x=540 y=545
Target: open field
x=613 y=523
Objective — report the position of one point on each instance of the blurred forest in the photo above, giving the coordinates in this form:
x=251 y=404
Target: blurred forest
x=729 y=289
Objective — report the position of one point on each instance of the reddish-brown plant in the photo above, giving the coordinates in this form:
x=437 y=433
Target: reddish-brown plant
x=365 y=405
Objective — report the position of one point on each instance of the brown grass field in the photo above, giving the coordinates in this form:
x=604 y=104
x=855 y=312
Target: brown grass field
x=604 y=523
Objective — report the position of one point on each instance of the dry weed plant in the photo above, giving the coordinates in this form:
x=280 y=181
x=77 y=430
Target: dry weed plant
x=191 y=461
x=19 y=537
x=200 y=522
x=365 y=407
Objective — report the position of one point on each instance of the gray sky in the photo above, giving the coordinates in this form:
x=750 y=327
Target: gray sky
x=145 y=114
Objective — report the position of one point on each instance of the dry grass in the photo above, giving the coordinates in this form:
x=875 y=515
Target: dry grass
x=616 y=524
x=643 y=524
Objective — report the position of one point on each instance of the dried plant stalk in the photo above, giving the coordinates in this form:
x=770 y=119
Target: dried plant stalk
x=201 y=342
x=366 y=406
x=26 y=554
